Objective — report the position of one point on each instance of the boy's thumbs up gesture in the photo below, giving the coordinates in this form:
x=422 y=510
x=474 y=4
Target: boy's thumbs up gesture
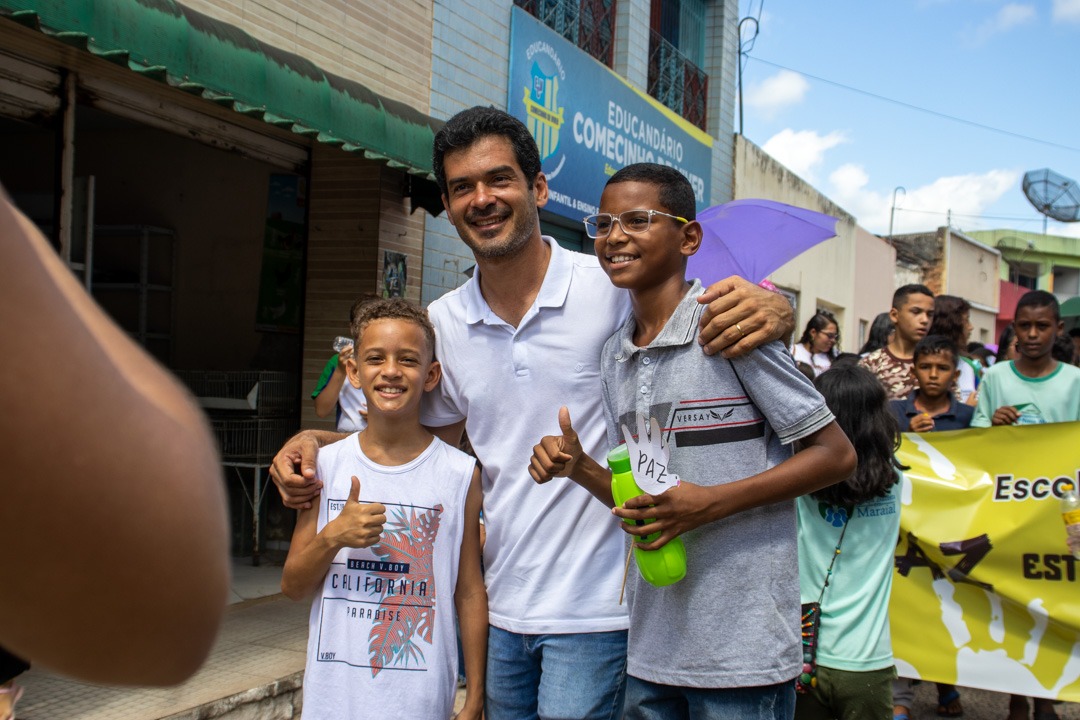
x=556 y=455
x=357 y=525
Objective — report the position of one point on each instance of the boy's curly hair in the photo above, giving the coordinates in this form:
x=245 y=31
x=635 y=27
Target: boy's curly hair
x=393 y=309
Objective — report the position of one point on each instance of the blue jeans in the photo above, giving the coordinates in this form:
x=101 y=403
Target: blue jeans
x=650 y=701
x=579 y=676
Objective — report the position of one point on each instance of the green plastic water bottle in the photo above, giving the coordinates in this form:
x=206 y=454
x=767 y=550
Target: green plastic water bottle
x=665 y=566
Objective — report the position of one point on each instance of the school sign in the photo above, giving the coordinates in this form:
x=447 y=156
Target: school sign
x=589 y=122
x=986 y=593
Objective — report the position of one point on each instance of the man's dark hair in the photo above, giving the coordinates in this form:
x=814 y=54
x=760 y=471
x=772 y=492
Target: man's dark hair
x=901 y=295
x=675 y=193
x=935 y=344
x=478 y=122
x=1039 y=299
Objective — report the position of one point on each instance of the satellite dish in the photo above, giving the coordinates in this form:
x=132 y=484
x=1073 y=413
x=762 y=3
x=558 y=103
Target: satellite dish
x=1053 y=195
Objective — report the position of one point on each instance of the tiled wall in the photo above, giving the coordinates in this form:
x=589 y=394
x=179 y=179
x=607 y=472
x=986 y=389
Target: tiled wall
x=469 y=66
x=384 y=44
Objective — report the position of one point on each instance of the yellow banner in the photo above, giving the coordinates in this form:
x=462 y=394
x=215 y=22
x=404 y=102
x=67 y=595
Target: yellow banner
x=986 y=593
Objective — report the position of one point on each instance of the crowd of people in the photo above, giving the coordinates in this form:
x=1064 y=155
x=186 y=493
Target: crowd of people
x=511 y=558
x=935 y=380
x=548 y=359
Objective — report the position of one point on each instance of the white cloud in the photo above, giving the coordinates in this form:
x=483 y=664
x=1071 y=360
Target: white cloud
x=1064 y=229
x=776 y=93
x=1067 y=10
x=921 y=208
x=802 y=151
x=1008 y=17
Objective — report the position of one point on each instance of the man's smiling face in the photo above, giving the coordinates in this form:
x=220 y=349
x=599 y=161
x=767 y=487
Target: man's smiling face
x=489 y=200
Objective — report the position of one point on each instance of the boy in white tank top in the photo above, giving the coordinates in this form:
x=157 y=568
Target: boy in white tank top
x=394 y=536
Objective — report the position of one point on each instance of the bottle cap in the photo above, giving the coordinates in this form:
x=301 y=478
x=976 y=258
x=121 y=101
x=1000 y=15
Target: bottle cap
x=619 y=459
x=1067 y=487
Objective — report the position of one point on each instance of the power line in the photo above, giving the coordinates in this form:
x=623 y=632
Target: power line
x=966 y=215
x=917 y=108
x=956 y=215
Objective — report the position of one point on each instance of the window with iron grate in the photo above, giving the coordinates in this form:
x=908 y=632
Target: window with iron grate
x=676 y=52
x=589 y=24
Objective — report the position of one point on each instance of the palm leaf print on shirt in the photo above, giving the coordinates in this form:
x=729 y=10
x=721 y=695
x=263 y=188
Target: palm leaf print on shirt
x=408 y=598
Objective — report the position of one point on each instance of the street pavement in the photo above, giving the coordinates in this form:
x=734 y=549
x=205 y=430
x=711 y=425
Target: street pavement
x=256 y=668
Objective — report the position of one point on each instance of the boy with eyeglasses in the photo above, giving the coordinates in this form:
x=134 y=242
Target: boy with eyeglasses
x=524 y=332
x=698 y=648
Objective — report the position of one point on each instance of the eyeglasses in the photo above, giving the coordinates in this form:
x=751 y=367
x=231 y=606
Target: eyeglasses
x=831 y=336
x=632 y=222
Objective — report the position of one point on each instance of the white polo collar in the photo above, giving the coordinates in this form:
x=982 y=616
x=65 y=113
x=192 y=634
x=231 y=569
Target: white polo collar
x=553 y=291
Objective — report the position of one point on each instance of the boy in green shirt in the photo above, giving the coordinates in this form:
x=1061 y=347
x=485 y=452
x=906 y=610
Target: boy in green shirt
x=1034 y=388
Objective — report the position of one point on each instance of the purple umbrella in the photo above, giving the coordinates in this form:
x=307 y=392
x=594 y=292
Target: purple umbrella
x=752 y=238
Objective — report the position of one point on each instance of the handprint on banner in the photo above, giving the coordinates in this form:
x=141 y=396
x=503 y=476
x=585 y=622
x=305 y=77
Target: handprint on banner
x=649 y=457
x=1005 y=637
x=983 y=667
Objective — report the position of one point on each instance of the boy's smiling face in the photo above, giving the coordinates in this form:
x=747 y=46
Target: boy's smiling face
x=935 y=373
x=644 y=260
x=393 y=365
x=1036 y=329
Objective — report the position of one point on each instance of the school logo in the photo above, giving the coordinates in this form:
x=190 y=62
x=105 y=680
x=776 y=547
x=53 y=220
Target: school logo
x=544 y=115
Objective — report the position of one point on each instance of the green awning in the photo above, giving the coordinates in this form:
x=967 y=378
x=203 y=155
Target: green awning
x=198 y=54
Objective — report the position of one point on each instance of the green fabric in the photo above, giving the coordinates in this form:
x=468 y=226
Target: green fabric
x=201 y=55
x=848 y=695
x=328 y=370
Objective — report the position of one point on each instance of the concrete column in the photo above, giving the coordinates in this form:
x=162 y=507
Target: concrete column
x=632 y=42
x=721 y=56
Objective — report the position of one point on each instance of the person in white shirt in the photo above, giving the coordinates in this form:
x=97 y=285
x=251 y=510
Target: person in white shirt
x=522 y=335
x=819 y=341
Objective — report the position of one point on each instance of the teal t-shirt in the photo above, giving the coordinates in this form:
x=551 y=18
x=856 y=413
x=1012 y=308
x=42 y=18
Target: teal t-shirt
x=854 y=632
x=1049 y=399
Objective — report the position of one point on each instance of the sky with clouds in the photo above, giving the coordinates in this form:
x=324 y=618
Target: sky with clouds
x=950 y=100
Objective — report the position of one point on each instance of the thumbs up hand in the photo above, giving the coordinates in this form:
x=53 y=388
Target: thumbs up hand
x=556 y=455
x=357 y=525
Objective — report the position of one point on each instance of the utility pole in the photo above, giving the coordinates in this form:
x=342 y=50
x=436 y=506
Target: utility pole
x=892 y=212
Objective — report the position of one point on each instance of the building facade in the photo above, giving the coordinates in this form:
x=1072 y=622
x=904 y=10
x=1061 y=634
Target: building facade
x=602 y=84
x=226 y=177
x=1031 y=261
x=852 y=275
x=951 y=262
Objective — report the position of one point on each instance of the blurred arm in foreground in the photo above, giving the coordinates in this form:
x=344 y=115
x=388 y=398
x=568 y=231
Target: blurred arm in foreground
x=113 y=514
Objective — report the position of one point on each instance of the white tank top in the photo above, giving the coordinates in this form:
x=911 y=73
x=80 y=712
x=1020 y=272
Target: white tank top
x=381 y=630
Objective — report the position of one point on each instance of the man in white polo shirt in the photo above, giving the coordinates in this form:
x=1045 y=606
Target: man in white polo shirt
x=521 y=338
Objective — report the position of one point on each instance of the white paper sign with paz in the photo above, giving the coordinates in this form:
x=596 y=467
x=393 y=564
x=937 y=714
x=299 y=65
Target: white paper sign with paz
x=649 y=457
